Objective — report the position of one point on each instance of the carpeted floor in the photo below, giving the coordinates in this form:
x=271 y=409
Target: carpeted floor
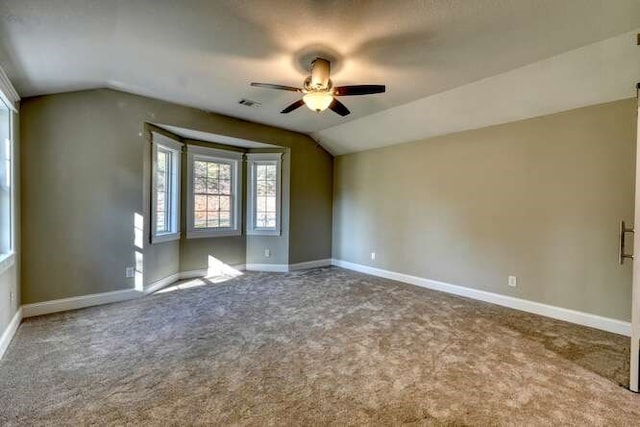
x=317 y=347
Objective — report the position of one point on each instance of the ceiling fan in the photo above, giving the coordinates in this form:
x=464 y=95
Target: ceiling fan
x=318 y=90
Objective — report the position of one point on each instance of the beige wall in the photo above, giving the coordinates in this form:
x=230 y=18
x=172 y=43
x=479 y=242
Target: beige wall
x=539 y=199
x=308 y=238
x=83 y=168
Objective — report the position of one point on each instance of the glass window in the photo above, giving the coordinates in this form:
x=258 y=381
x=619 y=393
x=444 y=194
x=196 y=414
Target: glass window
x=214 y=193
x=264 y=192
x=166 y=189
x=6 y=173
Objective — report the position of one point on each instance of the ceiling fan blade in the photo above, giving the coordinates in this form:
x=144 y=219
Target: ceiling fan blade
x=338 y=107
x=299 y=103
x=279 y=87
x=358 y=90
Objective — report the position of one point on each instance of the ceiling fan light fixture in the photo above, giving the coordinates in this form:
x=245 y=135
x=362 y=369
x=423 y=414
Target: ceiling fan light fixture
x=318 y=101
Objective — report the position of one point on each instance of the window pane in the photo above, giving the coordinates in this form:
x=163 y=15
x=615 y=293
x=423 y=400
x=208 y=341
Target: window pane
x=200 y=168
x=270 y=188
x=225 y=219
x=199 y=184
x=212 y=186
x=162 y=159
x=5 y=179
x=200 y=220
x=271 y=172
x=213 y=192
x=200 y=203
x=164 y=188
x=161 y=202
x=161 y=213
x=212 y=170
x=225 y=186
x=261 y=204
x=271 y=204
x=265 y=188
x=212 y=219
x=225 y=171
x=225 y=203
x=213 y=203
x=161 y=181
x=261 y=188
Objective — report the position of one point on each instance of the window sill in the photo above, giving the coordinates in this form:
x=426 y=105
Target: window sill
x=6 y=261
x=203 y=234
x=161 y=238
x=258 y=232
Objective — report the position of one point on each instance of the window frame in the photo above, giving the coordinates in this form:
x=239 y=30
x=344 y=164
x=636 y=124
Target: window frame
x=159 y=141
x=253 y=160
x=9 y=98
x=234 y=158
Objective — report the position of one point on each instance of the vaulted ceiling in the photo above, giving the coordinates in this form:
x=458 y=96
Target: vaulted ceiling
x=205 y=53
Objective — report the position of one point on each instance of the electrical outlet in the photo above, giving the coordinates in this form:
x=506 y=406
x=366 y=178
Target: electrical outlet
x=267 y=252
x=513 y=281
x=373 y=255
x=11 y=297
x=130 y=272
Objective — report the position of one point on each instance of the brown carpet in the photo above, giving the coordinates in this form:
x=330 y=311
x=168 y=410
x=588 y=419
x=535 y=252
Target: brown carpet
x=318 y=347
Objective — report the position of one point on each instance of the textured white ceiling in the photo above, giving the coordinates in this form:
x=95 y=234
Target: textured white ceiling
x=600 y=72
x=204 y=53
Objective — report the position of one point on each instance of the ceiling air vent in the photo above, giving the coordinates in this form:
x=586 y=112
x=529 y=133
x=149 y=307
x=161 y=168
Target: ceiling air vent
x=249 y=103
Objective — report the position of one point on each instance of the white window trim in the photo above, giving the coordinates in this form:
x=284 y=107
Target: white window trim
x=10 y=97
x=195 y=152
x=7 y=92
x=254 y=159
x=161 y=141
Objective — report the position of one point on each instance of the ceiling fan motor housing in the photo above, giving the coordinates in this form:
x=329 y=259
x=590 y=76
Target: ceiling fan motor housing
x=320 y=71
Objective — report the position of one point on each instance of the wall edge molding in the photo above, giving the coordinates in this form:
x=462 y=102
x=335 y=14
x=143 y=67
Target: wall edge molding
x=559 y=313
x=74 y=303
x=10 y=332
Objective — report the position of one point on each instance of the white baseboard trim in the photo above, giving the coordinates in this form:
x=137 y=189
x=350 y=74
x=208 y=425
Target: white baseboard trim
x=164 y=282
x=310 y=264
x=74 y=303
x=11 y=330
x=568 y=315
x=273 y=268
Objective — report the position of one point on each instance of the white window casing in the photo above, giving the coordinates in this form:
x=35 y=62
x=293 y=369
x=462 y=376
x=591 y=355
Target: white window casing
x=264 y=204
x=214 y=220
x=167 y=228
x=9 y=107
